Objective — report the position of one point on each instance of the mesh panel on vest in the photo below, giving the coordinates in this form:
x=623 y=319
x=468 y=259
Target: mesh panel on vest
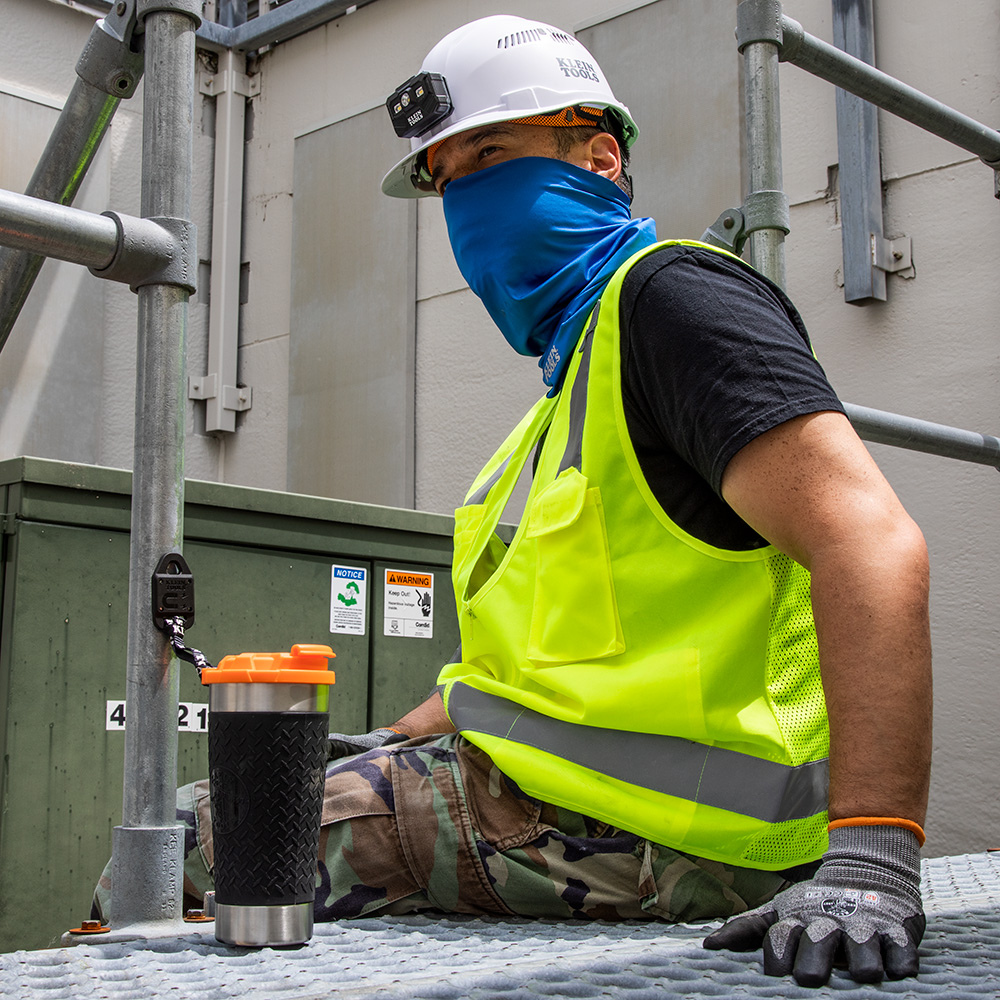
x=801 y=838
x=793 y=677
x=796 y=691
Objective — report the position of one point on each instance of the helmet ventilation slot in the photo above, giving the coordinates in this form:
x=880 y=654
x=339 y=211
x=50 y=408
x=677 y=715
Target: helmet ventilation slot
x=520 y=37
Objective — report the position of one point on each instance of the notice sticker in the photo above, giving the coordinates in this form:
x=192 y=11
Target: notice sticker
x=409 y=604
x=347 y=600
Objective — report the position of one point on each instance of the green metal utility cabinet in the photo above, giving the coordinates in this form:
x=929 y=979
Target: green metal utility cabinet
x=263 y=564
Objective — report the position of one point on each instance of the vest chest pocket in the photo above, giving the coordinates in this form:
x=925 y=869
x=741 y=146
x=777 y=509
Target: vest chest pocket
x=574 y=614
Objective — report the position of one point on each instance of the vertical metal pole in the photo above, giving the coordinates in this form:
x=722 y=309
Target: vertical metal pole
x=763 y=124
x=147 y=876
x=765 y=210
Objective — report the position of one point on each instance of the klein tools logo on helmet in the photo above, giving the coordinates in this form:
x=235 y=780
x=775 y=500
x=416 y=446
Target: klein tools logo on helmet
x=496 y=69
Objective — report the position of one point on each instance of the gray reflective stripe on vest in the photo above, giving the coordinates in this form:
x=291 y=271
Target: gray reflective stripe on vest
x=712 y=776
x=480 y=495
x=573 y=455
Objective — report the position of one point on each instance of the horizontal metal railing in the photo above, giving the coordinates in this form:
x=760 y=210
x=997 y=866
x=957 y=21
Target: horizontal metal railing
x=845 y=71
x=277 y=25
x=912 y=434
x=51 y=230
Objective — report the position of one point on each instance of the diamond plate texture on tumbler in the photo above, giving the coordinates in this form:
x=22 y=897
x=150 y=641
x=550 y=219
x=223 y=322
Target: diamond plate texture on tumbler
x=267 y=772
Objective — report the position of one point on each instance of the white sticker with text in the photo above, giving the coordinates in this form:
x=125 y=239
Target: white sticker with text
x=409 y=604
x=192 y=716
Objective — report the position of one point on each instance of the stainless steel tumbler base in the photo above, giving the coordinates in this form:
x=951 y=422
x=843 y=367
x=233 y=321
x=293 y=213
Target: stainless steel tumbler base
x=262 y=926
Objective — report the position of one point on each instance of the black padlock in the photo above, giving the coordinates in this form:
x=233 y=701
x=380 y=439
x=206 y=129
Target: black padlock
x=173 y=591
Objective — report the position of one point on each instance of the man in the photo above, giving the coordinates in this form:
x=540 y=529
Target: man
x=702 y=431
x=639 y=700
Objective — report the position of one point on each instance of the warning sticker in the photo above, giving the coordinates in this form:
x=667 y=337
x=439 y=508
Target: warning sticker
x=409 y=604
x=347 y=600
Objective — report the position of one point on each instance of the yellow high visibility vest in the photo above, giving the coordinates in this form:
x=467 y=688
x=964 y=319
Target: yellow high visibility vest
x=616 y=665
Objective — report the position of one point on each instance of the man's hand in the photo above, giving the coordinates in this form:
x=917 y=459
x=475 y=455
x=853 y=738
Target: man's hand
x=861 y=907
x=427 y=719
x=342 y=745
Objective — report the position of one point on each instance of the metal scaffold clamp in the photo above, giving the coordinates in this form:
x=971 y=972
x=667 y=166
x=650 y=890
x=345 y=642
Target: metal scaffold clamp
x=758 y=21
x=995 y=166
x=766 y=210
x=153 y=251
x=192 y=8
x=112 y=59
x=761 y=210
x=728 y=231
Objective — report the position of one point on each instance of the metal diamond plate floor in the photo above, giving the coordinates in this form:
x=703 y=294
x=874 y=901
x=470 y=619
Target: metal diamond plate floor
x=448 y=958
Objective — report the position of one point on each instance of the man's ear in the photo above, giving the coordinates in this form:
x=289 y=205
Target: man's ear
x=603 y=155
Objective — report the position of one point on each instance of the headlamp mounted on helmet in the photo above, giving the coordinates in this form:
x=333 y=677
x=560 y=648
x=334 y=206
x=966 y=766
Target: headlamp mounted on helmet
x=419 y=104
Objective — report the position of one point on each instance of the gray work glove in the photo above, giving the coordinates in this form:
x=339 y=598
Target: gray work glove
x=861 y=907
x=342 y=745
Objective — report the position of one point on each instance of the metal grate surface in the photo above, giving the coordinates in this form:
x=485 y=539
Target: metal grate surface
x=448 y=958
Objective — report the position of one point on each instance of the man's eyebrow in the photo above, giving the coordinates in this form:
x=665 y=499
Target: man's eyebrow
x=486 y=132
x=469 y=139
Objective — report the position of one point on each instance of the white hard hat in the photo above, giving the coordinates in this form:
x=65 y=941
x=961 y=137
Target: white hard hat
x=496 y=69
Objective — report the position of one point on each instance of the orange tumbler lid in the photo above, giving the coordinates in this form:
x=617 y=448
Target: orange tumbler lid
x=305 y=664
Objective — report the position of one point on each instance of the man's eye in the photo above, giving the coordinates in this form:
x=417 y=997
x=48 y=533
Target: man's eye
x=487 y=151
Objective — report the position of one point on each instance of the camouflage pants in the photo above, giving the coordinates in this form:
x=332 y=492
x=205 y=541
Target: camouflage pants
x=433 y=824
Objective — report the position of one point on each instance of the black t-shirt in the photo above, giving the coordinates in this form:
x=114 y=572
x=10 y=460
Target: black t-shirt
x=713 y=355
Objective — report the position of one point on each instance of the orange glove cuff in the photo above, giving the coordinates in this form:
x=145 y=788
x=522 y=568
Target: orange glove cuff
x=907 y=824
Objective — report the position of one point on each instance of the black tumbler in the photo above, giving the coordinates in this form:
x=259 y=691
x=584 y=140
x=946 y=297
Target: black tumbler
x=267 y=752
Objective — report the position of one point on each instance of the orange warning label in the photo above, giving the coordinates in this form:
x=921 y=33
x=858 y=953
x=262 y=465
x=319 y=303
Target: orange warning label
x=395 y=577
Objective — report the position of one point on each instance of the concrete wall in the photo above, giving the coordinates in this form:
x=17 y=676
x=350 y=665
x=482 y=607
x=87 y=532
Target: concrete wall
x=929 y=351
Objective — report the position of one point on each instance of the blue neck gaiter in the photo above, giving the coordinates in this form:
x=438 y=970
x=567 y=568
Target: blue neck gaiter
x=537 y=240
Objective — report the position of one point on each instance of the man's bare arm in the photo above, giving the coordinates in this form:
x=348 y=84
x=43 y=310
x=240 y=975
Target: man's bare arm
x=810 y=487
x=426 y=719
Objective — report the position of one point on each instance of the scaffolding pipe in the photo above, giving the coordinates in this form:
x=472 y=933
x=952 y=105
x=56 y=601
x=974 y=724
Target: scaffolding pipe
x=44 y=229
x=275 y=26
x=287 y=21
x=60 y=171
x=114 y=246
x=844 y=71
x=766 y=207
x=148 y=846
x=922 y=435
